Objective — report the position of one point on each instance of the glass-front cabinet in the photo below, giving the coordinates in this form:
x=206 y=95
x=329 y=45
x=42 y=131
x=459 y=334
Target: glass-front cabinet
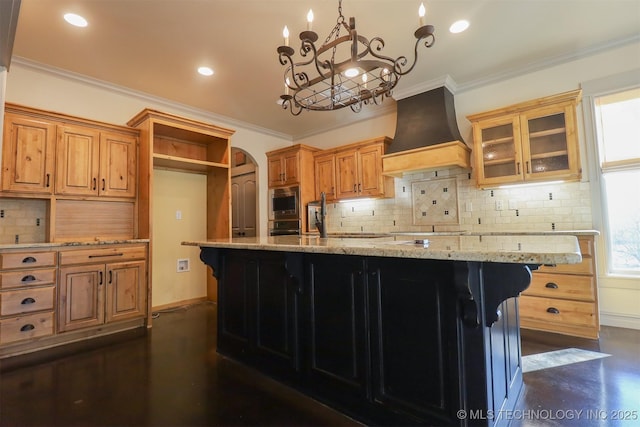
x=532 y=141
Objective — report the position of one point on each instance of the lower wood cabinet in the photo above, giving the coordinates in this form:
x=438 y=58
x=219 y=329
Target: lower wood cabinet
x=564 y=298
x=27 y=295
x=98 y=286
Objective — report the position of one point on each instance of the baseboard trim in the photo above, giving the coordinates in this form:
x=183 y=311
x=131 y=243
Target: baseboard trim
x=620 y=321
x=178 y=304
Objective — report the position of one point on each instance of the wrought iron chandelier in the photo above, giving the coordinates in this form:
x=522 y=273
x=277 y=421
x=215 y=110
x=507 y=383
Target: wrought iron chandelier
x=321 y=81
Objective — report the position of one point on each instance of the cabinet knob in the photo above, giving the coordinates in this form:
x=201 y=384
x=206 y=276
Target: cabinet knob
x=551 y=285
x=27 y=327
x=553 y=310
x=28 y=301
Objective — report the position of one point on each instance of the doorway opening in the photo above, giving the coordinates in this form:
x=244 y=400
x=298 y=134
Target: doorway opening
x=244 y=194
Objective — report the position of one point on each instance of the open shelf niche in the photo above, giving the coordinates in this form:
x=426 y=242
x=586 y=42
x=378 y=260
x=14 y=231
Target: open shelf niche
x=181 y=144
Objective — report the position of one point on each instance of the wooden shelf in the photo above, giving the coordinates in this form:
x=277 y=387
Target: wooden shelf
x=547 y=132
x=182 y=163
x=549 y=154
x=499 y=161
x=497 y=141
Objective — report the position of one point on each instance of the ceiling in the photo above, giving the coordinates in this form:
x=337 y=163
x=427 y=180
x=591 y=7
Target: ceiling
x=155 y=46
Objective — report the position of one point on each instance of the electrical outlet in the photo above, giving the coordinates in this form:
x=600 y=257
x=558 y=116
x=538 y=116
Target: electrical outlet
x=178 y=214
x=183 y=265
x=468 y=207
x=499 y=205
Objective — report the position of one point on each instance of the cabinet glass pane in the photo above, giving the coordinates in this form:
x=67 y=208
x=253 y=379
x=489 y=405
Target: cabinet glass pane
x=498 y=151
x=548 y=143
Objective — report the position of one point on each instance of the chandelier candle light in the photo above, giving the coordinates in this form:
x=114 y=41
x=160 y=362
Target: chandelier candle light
x=320 y=81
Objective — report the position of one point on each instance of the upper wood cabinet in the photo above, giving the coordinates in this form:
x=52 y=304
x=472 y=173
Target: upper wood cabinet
x=325 y=169
x=95 y=163
x=528 y=142
x=353 y=171
x=28 y=154
x=47 y=152
x=287 y=165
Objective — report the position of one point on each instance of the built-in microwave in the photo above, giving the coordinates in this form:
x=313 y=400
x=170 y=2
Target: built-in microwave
x=284 y=203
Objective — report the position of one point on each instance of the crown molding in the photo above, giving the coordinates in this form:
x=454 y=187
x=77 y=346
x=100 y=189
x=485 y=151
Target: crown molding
x=155 y=100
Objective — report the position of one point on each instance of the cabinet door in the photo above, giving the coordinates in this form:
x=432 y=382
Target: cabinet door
x=276 y=171
x=413 y=318
x=275 y=316
x=500 y=158
x=77 y=161
x=81 y=301
x=337 y=344
x=325 y=176
x=237 y=273
x=28 y=156
x=347 y=174
x=370 y=179
x=549 y=142
x=125 y=283
x=117 y=165
x=291 y=166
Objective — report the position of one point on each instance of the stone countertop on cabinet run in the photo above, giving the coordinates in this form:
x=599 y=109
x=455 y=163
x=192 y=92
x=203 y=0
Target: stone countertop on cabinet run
x=522 y=248
x=71 y=244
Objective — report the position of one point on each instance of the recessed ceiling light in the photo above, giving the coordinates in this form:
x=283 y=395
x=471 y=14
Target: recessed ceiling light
x=75 y=20
x=459 y=26
x=205 y=71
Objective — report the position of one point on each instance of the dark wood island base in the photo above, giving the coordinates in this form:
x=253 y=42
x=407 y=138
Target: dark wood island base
x=388 y=341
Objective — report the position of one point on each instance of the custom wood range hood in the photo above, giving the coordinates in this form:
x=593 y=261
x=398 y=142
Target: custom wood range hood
x=427 y=135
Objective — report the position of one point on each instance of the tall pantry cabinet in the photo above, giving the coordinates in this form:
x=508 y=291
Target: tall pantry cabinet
x=176 y=143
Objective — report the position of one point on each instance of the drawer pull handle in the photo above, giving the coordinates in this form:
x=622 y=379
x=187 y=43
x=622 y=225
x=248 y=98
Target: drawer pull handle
x=106 y=255
x=549 y=265
x=553 y=310
x=28 y=278
x=29 y=260
x=28 y=301
x=551 y=285
x=27 y=327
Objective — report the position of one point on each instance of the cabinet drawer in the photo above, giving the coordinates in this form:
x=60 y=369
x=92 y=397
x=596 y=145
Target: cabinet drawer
x=111 y=254
x=558 y=311
x=17 y=279
x=562 y=286
x=26 y=327
x=27 y=260
x=26 y=300
x=584 y=267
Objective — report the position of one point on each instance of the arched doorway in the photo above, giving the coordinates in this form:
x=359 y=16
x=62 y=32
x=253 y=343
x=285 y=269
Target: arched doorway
x=244 y=194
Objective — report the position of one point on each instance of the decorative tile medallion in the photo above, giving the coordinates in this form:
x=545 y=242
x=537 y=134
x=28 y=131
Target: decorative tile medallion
x=435 y=202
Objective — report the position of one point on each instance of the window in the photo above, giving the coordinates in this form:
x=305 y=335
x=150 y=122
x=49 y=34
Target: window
x=617 y=117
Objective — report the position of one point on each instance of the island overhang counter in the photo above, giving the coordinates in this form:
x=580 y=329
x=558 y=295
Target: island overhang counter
x=391 y=331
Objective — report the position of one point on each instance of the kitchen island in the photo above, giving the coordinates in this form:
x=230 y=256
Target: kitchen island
x=389 y=330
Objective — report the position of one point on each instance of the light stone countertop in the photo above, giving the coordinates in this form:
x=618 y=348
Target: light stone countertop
x=522 y=248
x=71 y=244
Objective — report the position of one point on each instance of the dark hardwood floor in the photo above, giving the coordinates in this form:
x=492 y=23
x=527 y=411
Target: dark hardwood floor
x=172 y=376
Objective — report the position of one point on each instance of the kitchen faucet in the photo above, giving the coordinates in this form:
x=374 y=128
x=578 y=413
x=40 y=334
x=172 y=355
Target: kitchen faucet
x=321 y=222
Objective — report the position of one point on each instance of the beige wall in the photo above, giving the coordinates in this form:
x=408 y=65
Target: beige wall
x=40 y=87
x=172 y=192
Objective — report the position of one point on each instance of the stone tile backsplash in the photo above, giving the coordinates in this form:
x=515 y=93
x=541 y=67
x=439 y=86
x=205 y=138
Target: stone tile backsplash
x=542 y=207
x=22 y=221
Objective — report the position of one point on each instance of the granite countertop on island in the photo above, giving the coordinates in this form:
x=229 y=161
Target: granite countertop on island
x=489 y=247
